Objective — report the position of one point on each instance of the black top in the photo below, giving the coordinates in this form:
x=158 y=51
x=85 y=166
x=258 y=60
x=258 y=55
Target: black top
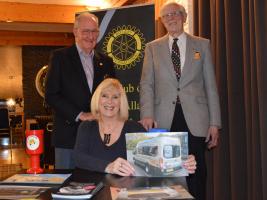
x=91 y=153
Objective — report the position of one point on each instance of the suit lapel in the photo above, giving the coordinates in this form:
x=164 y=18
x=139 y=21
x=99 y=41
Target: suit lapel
x=98 y=70
x=188 y=60
x=164 y=53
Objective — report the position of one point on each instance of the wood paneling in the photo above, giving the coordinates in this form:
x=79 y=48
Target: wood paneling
x=37 y=27
x=26 y=12
x=20 y=38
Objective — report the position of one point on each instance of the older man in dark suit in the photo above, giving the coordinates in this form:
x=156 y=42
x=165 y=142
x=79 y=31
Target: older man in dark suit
x=73 y=75
x=178 y=90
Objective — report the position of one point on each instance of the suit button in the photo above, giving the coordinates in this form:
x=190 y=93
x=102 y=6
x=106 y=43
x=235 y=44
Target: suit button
x=178 y=89
x=173 y=102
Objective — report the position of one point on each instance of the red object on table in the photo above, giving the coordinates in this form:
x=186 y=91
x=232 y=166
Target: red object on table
x=35 y=147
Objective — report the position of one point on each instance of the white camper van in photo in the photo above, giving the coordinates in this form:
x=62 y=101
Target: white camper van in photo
x=159 y=156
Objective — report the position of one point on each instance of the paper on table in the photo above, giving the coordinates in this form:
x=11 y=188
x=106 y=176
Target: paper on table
x=143 y=193
x=37 y=178
x=19 y=192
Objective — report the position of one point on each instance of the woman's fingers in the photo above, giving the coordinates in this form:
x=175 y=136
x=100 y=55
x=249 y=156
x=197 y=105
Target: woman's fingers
x=122 y=172
x=127 y=168
x=123 y=167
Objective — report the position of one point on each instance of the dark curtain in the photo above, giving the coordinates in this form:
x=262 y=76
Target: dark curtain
x=237 y=29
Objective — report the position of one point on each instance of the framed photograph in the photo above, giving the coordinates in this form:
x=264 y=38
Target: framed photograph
x=158 y=154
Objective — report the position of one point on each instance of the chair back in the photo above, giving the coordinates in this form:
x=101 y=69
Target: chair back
x=4 y=122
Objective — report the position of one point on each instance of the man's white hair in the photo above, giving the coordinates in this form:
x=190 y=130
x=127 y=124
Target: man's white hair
x=180 y=7
x=84 y=14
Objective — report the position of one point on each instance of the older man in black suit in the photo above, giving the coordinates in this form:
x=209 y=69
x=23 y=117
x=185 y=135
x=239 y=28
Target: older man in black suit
x=73 y=75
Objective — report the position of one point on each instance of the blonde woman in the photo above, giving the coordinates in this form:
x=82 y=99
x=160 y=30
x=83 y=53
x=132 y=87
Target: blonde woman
x=100 y=144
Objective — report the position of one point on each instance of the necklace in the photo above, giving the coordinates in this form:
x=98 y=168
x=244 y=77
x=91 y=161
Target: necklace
x=106 y=138
x=107 y=134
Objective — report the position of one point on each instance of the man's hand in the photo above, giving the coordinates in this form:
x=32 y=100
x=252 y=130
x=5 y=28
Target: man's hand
x=212 y=137
x=190 y=164
x=148 y=123
x=86 y=116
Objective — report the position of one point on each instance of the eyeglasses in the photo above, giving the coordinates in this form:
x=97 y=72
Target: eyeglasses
x=88 y=31
x=172 y=14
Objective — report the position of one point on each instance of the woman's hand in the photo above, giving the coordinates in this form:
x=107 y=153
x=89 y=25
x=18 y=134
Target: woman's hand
x=190 y=164
x=120 y=167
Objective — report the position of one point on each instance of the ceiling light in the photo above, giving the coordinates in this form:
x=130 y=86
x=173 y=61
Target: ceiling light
x=97 y=3
x=10 y=102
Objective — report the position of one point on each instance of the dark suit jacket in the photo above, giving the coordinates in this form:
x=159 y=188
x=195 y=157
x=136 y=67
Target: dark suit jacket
x=67 y=91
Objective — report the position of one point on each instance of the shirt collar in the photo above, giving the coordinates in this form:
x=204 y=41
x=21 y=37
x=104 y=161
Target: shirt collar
x=181 y=38
x=81 y=52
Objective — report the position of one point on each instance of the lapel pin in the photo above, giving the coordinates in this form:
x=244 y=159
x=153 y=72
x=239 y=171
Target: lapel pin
x=101 y=64
x=197 y=55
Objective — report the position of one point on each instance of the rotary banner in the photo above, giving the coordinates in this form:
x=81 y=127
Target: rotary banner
x=124 y=32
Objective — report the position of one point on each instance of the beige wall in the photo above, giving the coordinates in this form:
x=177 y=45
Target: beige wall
x=10 y=72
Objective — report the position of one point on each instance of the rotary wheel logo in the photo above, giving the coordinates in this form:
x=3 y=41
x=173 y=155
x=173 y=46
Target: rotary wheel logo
x=40 y=80
x=125 y=46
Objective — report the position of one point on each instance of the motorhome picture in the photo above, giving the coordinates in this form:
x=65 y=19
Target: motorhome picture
x=159 y=155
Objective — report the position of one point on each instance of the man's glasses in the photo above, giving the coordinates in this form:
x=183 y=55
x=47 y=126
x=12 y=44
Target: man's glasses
x=172 y=14
x=88 y=31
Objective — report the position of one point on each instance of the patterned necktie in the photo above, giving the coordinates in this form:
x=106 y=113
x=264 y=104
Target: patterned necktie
x=89 y=71
x=175 y=55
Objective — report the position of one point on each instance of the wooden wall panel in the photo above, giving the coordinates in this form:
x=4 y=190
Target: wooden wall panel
x=26 y=12
x=20 y=38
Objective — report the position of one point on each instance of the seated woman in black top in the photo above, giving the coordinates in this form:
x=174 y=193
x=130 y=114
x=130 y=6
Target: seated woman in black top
x=100 y=144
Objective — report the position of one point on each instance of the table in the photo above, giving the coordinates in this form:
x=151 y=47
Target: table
x=80 y=175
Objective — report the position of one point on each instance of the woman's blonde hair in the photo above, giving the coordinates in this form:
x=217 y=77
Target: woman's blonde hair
x=110 y=83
